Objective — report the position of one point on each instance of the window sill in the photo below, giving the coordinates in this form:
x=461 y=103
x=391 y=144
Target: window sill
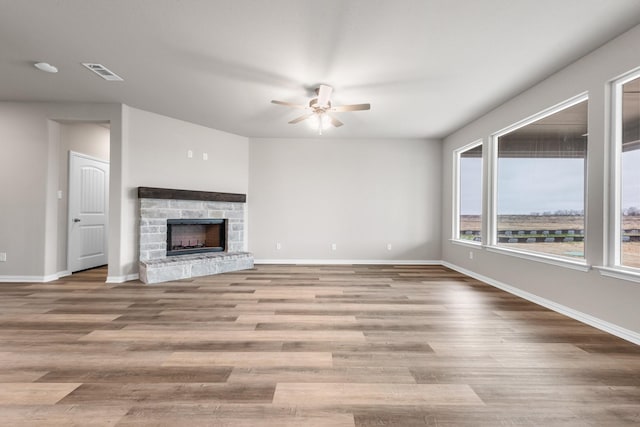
x=557 y=261
x=469 y=243
x=619 y=273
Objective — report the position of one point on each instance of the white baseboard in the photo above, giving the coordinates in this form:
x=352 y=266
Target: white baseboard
x=122 y=279
x=603 y=325
x=347 y=261
x=23 y=279
x=52 y=277
x=34 y=279
x=64 y=273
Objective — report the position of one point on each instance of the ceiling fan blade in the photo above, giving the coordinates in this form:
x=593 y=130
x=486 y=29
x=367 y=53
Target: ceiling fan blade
x=324 y=93
x=335 y=122
x=288 y=104
x=301 y=118
x=354 y=107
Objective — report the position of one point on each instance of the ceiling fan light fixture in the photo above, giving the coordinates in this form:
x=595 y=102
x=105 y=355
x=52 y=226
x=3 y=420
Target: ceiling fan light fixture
x=320 y=111
x=319 y=122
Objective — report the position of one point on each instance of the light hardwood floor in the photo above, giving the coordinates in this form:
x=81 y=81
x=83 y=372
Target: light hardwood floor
x=305 y=346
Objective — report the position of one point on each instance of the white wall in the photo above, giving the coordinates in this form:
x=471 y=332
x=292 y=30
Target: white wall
x=611 y=300
x=360 y=194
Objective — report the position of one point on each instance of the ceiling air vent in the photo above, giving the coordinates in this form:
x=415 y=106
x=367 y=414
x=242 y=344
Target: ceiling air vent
x=103 y=72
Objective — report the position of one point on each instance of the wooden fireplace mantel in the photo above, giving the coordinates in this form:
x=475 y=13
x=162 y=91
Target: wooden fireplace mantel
x=204 y=196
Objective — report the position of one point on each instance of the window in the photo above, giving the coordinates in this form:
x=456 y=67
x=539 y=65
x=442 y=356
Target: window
x=468 y=197
x=627 y=139
x=539 y=182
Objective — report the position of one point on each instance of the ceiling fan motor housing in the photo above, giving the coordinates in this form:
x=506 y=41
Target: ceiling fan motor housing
x=321 y=108
x=314 y=105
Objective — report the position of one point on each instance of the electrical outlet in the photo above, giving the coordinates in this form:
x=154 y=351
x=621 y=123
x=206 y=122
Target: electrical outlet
x=470 y=254
x=59 y=194
x=278 y=246
x=334 y=247
x=3 y=256
x=190 y=154
x=388 y=246
x=205 y=156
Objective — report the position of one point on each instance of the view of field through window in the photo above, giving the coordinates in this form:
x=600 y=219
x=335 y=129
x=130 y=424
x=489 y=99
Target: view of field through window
x=630 y=175
x=470 y=194
x=540 y=186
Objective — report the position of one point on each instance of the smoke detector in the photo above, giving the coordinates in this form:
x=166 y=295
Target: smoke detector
x=46 y=67
x=103 y=72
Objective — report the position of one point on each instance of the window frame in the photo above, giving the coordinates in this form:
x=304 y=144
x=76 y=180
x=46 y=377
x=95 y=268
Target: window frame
x=613 y=266
x=492 y=209
x=455 y=228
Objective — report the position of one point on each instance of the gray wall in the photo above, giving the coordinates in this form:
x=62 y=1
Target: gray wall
x=23 y=172
x=30 y=142
x=604 y=298
x=145 y=150
x=360 y=194
x=156 y=156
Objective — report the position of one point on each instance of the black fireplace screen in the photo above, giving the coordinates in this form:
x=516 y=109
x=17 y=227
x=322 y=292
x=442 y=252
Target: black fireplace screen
x=192 y=236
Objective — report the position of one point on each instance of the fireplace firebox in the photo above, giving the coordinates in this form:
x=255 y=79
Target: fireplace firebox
x=192 y=236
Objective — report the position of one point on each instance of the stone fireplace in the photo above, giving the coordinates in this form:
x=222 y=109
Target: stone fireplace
x=186 y=234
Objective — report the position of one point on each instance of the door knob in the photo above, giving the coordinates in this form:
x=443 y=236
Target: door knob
x=76 y=219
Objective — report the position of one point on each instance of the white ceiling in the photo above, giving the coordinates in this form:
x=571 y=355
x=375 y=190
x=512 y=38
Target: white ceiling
x=426 y=66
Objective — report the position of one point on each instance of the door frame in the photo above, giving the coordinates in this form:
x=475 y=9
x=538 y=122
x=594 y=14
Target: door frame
x=70 y=214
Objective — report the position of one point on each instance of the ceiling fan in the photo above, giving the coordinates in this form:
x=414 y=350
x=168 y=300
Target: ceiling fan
x=321 y=109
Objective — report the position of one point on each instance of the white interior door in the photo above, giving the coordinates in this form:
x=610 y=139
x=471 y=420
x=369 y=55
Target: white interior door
x=88 y=212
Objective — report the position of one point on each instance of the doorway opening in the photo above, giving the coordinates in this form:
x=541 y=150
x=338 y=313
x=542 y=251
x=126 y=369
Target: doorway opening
x=84 y=194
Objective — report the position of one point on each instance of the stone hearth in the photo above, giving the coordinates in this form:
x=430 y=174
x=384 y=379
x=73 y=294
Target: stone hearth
x=159 y=205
